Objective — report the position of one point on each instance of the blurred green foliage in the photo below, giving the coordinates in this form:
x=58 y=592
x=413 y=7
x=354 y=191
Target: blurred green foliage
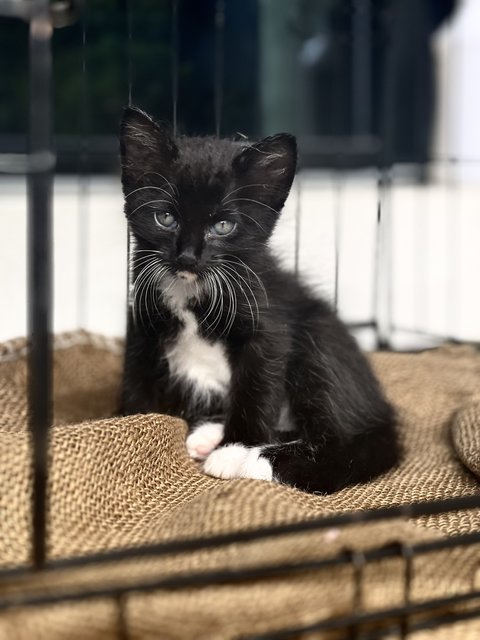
x=94 y=101
x=13 y=76
x=91 y=101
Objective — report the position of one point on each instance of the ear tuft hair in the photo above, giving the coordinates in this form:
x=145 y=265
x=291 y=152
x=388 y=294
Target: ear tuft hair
x=269 y=164
x=146 y=145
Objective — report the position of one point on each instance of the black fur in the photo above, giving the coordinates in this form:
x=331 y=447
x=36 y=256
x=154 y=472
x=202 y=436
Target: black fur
x=293 y=349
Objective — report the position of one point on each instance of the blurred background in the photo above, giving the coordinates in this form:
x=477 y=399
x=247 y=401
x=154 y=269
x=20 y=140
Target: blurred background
x=383 y=95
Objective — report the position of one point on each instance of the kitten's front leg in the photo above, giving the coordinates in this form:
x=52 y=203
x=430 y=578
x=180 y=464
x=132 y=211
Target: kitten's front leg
x=205 y=436
x=258 y=389
x=142 y=372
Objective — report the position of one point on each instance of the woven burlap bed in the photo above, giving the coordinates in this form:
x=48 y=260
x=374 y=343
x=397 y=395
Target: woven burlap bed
x=120 y=482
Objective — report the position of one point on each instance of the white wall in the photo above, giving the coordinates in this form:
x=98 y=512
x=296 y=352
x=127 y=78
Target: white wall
x=435 y=257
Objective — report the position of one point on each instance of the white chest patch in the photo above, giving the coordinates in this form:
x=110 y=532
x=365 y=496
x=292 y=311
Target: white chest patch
x=190 y=357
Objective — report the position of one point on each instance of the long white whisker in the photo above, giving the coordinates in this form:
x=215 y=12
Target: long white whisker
x=154 y=284
x=231 y=300
x=219 y=314
x=197 y=290
x=213 y=293
x=151 y=251
x=262 y=204
x=148 y=295
x=235 y=304
x=144 y=289
x=170 y=184
x=138 y=261
x=241 y=213
x=239 y=262
x=206 y=277
x=145 y=204
x=138 y=286
x=235 y=274
x=245 y=186
x=165 y=292
x=147 y=187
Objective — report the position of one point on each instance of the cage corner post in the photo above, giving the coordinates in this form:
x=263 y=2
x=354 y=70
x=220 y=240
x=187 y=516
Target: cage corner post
x=39 y=242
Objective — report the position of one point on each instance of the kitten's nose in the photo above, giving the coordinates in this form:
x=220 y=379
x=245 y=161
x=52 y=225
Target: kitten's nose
x=187 y=258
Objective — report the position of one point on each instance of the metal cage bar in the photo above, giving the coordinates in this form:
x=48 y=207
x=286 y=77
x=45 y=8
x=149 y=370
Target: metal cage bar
x=315 y=524
x=40 y=290
x=219 y=63
x=83 y=223
x=175 y=64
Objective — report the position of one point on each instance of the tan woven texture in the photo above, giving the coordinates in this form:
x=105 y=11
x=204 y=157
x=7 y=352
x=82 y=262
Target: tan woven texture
x=466 y=435
x=122 y=482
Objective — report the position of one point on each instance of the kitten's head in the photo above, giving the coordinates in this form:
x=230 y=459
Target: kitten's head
x=201 y=201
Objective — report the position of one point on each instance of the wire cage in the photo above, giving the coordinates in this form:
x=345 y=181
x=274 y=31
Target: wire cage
x=368 y=192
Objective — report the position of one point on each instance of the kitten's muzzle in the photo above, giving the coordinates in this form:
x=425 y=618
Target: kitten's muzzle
x=187 y=259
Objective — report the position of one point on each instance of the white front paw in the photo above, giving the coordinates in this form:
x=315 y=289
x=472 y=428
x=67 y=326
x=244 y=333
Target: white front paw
x=238 y=461
x=203 y=439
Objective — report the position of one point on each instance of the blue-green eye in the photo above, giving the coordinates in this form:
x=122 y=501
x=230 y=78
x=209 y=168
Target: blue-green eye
x=165 y=220
x=223 y=228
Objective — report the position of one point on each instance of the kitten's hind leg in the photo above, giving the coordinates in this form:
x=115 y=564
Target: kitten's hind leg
x=204 y=438
x=332 y=464
x=320 y=467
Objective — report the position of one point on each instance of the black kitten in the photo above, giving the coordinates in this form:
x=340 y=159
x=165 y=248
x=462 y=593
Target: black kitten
x=268 y=379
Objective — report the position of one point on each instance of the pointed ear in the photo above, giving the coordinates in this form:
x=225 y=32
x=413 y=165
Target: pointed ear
x=267 y=169
x=146 y=146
